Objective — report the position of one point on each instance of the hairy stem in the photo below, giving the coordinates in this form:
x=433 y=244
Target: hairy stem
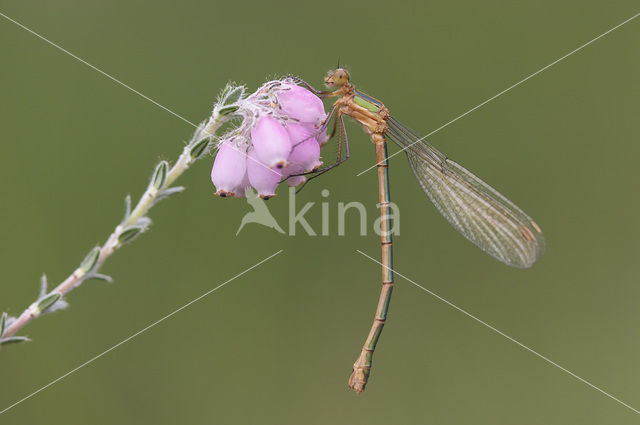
x=135 y=222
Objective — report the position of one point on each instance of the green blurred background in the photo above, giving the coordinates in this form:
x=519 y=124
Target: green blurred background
x=276 y=345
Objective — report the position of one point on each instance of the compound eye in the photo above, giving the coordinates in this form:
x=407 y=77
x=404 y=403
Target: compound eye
x=343 y=76
x=337 y=78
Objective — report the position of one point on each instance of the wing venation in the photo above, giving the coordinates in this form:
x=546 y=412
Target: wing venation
x=479 y=212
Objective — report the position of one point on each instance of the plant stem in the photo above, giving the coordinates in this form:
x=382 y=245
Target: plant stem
x=135 y=219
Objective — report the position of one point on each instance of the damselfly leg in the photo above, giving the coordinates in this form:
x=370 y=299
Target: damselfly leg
x=342 y=138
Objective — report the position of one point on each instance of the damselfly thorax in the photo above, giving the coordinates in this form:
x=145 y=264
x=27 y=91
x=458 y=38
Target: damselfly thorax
x=368 y=112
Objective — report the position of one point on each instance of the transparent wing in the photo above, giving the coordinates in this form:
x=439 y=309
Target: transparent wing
x=485 y=217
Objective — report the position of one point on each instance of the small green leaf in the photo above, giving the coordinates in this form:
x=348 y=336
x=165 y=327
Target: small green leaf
x=43 y=286
x=3 y=323
x=233 y=95
x=225 y=91
x=90 y=261
x=48 y=301
x=127 y=207
x=168 y=192
x=160 y=175
x=228 y=110
x=102 y=277
x=14 y=339
x=199 y=147
x=129 y=233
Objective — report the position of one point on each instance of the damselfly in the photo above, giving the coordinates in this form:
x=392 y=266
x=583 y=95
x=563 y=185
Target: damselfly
x=485 y=217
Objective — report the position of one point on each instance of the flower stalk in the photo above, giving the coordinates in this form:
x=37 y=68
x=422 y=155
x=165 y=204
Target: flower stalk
x=134 y=222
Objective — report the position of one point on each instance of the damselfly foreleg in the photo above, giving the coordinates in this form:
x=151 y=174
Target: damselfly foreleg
x=320 y=93
x=342 y=135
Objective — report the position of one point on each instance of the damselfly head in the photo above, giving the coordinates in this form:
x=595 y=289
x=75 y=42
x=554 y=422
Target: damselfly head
x=337 y=78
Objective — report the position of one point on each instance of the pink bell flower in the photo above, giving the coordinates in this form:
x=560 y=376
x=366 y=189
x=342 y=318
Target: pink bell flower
x=262 y=178
x=305 y=153
x=229 y=172
x=294 y=181
x=241 y=189
x=279 y=137
x=271 y=142
x=301 y=104
x=322 y=138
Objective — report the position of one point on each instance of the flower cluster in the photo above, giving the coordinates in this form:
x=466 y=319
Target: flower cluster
x=279 y=140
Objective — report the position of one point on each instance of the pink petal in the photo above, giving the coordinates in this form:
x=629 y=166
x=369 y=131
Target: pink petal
x=262 y=178
x=299 y=103
x=294 y=181
x=241 y=189
x=322 y=138
x=271 y=142
x=305 y=153
x=229 y=169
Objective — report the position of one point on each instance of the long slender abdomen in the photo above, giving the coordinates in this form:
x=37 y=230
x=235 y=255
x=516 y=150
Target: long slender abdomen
x=362 y=366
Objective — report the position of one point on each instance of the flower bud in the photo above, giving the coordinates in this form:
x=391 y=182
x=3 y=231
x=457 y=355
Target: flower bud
x=305 y=153
x=294 y=181
x=229 y=169
x=241 y=189
x=299 y=103
x=271 y=142
x=322 y=138
x=262 y=178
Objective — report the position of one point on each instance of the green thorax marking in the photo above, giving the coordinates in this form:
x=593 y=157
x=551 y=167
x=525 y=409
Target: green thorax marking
x=366 y=102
